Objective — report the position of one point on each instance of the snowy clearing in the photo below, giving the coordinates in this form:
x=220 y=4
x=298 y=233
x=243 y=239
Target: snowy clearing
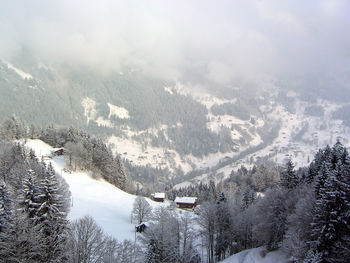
x=156 y=157
x=21 y=73
x=89 y=106
x=103 y=122
x=167 y=89
x=118 y=112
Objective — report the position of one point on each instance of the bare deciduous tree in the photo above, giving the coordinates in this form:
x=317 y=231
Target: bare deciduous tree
x=87 y=241
x=141 y=210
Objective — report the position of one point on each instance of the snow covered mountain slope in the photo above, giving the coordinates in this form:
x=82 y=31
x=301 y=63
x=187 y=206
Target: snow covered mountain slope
x=257 y=255
x=108 y=205
x=278 y=132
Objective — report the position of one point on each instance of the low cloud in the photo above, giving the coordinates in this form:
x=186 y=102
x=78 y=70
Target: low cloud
x=221 y=41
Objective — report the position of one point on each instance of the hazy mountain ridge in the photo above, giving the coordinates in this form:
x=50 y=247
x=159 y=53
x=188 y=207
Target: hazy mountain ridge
x=174 y=128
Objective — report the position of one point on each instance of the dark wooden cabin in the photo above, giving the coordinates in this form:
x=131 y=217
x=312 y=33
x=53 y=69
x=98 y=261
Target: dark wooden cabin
x=140 y=228
x=58 y=152
x=186 y=202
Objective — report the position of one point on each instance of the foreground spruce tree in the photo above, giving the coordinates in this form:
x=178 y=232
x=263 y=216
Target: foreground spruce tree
x=5 y=207
x=289 y=178
x=330 y=226
x=34 y=202
x=52 y=218
x=223 y=228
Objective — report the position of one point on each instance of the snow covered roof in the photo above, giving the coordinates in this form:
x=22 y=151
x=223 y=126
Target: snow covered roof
x=159 y=195
x=186 y=200
x=143 y=223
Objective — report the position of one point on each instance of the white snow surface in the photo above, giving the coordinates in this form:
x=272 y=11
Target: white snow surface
x=156 y=157
x=103 y=122
x=108 y=205
x=91 y=114
x=89 y=106
x=21 y=73
x=119 y=112
x=167 y=89
x=159 y=195
x=257 y=255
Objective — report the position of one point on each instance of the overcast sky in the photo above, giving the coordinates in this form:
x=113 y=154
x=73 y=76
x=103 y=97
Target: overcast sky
x=223 y=40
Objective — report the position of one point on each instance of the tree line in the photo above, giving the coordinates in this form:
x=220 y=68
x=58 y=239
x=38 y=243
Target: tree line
x=259 y=179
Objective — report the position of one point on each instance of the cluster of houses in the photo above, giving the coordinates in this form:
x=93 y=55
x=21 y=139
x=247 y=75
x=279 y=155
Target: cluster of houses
x=181 y=202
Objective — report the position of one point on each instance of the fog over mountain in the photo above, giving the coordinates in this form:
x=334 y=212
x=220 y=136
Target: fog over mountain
x=220 y=42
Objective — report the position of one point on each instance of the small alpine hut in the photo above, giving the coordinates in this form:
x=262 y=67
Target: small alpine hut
x=58 y=152
x=141 y=227
x=159 y=197
x=186 y=202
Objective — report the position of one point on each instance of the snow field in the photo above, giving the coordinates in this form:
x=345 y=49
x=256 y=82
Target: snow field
x=21 y=73
x=90 y=112
x=153 y=156
x=119 y=112
x=89 y=106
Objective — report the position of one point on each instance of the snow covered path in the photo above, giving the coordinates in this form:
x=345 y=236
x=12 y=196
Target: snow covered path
x=255 y=256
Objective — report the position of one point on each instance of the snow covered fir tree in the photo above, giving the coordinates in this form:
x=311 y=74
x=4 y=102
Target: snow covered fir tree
x=34 y=205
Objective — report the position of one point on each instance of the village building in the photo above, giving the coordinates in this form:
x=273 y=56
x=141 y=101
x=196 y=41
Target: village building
x=159 y=197
x=186 y=202
x=58 y=151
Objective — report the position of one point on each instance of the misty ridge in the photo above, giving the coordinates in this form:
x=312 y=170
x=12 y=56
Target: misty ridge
x=231 y=44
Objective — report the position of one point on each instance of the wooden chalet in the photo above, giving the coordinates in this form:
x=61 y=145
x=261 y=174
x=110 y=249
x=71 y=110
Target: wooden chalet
x=159 y=197
x=186 y=202
x=58 y=152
